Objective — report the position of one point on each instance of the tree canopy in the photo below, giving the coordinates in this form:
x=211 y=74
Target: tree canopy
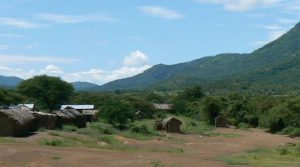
x=48 y=92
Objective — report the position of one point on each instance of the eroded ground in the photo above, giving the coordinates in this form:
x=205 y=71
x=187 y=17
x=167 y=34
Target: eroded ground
x=199 y=151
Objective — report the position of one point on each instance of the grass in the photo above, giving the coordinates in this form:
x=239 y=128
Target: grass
x=56 y=158
x=6 y=140
x=284 y=156
x=69 y=128
x=93 y=140
x=156 y=163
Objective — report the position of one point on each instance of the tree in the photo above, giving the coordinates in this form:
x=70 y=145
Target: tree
x=212 y=107
x=48 y=92
x=117 y=112
x=192 y=94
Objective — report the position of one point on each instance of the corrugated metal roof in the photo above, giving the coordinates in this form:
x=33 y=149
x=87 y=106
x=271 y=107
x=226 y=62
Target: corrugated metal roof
x=29 y=106
x=162 y=106
x=79 y=107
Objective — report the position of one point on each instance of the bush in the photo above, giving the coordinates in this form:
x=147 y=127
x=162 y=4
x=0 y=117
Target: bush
x=142 y=129
x=69 y=128
x=292 y=131
x=118 y=113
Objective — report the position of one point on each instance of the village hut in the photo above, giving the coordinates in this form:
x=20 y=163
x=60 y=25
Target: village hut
x=90 y=115
x=46 y=120
x=16 y=123
x=221 y=121
x=171 y=125
x=79 y=108
x=70 y=116
x=158 y=125
x=27 y=107
x=165 y=107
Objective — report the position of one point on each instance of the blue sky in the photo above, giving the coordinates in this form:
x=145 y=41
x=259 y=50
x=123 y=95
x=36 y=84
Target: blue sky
x=100 y=41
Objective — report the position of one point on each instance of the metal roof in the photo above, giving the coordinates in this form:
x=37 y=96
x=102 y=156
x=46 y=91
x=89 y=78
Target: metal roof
x=29 y=106
x=79 y=107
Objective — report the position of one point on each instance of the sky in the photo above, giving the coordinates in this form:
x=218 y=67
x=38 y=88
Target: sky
x=100 y=41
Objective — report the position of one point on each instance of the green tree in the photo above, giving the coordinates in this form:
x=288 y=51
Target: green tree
x=117 y=112
x=48 y=92
x=192 y=94
x=212 y=107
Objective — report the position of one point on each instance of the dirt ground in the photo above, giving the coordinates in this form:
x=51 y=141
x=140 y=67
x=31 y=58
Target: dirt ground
x=199 y=151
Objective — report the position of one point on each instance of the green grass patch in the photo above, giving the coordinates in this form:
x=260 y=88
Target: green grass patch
x=6 y=140
x=56 y=158
x=69 y=128
x=284 y=156
x=157 y=163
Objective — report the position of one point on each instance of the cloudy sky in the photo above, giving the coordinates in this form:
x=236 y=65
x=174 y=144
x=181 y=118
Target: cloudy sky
x=102 y=40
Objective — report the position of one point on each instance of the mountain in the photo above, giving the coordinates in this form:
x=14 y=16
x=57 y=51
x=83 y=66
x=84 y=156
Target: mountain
x=274 y=68
x=9 y=82
x=13 y=82
x=84 y=86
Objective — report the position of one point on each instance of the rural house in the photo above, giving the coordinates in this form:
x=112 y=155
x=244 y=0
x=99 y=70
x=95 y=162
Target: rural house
x=27 y=107
x=221 y=121
x=171 y=125
x=88 y=111
x=46 y=120
x=158 y=106
x=70 y=116
x=16 y=123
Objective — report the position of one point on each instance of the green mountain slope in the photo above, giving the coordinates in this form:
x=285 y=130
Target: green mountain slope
x=9 y=82
x=84 y=86
x=270 y=69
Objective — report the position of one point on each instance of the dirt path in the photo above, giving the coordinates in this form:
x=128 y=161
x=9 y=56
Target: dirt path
x=199 y=151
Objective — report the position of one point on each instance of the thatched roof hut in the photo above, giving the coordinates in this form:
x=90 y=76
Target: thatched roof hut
x=70 y=116
x=171 y=125
x=16 y=123
x=46 y=120
x=90 y=115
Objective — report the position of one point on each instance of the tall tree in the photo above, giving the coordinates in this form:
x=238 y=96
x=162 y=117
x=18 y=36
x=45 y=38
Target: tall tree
x=48 y=92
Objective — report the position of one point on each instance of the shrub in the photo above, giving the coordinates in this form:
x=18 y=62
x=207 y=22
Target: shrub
x=69 y=128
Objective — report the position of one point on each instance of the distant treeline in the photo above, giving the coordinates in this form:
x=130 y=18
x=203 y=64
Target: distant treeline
x=276 y=113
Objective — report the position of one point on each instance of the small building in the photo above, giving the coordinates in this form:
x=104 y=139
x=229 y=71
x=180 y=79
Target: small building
x=88 y=111
x=46 y=120
x=27 y=107
x=16 y=123
x=158 y=106
x=221 y=121
x=171 y=125
x=79 y=108
x=90 y=115
x=70 y=116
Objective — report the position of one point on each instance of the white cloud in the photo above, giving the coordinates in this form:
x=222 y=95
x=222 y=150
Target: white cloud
x=241 y=5
x=71 y=19
x=23 y=59
x=18 y=23
x=273 y=27
x=52 y=70
x=161 y=12
x=137 y=62
x=273 y=35
x=136 y=59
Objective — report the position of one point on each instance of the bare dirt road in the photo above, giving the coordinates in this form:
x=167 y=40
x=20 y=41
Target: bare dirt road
x=199 y=151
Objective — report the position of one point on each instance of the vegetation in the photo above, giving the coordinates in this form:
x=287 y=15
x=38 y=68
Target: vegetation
x=47 y=92
x=288 y=155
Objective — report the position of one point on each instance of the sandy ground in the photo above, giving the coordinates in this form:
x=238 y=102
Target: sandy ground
x=199 y=151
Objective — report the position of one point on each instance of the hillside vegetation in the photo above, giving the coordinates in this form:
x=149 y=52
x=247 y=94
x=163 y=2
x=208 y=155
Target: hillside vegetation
x=272 y=69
